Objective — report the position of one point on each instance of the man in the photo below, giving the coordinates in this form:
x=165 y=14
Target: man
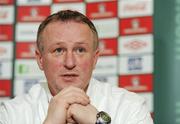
x=67 y=52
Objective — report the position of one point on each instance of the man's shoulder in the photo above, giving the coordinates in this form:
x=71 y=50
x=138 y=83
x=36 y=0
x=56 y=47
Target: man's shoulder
x=118 y=93
x=127 y=96
x=22 y=108
x=24 y=100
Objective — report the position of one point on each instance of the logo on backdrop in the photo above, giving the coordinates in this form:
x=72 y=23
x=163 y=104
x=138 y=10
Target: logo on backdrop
x=134 y=63
x=3 y=14
x=25 y=50
x=102 y=47
x=138 y=25
x=135 y=27
x=22 y=69
x=135 y=8
x=29 y=52
x=34 y=12
x=102 y=10
x=134 y=45
x=137 y=83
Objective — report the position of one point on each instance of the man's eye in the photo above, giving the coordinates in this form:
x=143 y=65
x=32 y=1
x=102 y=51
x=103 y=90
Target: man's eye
x=80 y=50
x=59 y=50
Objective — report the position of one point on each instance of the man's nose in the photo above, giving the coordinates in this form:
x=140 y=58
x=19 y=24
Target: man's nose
x=69 y=60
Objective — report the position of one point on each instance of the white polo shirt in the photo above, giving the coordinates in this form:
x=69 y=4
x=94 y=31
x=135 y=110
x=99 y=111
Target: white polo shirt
x=123 y=106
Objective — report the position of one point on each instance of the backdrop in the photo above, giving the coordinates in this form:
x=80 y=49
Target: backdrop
x=126 y=42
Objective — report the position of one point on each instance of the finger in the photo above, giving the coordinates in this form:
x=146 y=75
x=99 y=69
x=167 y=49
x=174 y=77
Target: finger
x=73 y=95
x=73 y=89
x=70 y=117
x=71 y=121
x=76 y=97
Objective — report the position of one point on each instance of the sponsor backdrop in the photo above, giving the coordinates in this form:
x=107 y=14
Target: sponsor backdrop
x=167 y=62
x=126 y=41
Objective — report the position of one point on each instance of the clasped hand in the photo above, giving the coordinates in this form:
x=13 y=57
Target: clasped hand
x=71 y=106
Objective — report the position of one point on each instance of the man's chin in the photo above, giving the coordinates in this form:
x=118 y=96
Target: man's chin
x=70 y=83
x=69 y=79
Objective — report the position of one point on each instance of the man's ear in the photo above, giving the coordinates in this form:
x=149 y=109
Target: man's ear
x=96 y=56
x=39 y=59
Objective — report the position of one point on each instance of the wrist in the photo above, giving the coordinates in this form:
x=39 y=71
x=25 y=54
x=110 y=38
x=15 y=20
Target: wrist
x=50 y=121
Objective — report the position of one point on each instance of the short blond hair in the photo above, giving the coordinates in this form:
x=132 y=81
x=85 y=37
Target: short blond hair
x=65 y=16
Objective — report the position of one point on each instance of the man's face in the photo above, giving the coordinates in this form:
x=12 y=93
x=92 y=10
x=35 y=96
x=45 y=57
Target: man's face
x=68 y=57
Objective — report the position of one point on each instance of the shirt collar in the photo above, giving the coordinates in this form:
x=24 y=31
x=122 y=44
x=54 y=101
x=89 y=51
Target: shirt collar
x=46 y=88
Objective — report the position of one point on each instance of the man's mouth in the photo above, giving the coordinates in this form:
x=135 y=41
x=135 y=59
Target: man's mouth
x=69 y=77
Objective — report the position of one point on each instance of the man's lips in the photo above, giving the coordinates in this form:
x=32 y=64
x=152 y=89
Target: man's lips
x=69 y=76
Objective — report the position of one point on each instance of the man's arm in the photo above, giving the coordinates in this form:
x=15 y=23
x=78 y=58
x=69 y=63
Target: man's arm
x=3 y=115
x=140 y=115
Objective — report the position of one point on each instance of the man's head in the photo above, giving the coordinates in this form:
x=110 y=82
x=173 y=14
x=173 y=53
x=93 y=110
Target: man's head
x=66 y=16
x=67 y=50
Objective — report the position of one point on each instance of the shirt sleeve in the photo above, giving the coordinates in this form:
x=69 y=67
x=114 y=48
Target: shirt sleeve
x=140 y=115
x=3 y=115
